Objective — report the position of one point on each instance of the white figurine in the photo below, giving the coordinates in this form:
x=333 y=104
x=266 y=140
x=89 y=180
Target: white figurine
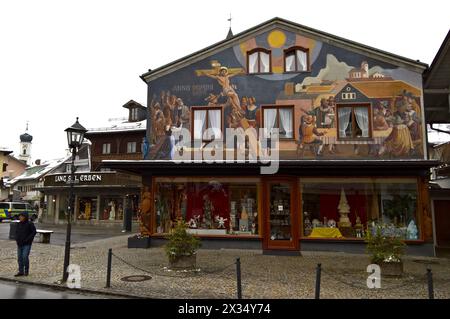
x=192 y=223
x=221 y=221
x=412 y=230
x=112 y=213
x=331 y=223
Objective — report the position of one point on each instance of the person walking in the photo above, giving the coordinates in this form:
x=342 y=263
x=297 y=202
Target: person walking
x=25 y=233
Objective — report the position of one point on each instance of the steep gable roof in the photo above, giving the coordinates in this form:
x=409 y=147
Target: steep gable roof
x=279 y=22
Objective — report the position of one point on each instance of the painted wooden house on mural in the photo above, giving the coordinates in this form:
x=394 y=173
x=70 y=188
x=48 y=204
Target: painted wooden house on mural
x=351 y=135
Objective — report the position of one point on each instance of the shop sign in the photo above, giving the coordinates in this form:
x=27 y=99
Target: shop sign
x=81 y=178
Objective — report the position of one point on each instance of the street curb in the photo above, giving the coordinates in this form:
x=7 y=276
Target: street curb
x=63 y=288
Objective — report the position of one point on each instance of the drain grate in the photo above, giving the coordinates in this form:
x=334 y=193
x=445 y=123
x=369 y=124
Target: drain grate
x=136 y=278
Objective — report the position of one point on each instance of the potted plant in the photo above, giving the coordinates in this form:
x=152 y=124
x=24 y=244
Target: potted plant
x=386 y=249
x=182 y=247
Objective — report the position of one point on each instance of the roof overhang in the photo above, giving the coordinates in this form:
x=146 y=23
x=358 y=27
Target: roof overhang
x=437 y=86
x=286 y=167
x=291 y=26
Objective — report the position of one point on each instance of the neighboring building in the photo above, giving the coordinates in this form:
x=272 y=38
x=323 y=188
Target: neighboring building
x=437 y=111
x=122 y=139
x=13 y=168
x=334 y=167
x=101 y=197
x=4 y=153
x=25 y=186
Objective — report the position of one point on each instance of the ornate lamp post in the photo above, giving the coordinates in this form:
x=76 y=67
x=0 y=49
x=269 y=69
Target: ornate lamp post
x=75 y=136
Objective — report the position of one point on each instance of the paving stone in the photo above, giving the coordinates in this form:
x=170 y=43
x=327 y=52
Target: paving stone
x=344 y=275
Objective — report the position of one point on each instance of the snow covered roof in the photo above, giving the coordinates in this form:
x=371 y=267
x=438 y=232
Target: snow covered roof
x=5 y=150
x=119 y=125
x=37 y=171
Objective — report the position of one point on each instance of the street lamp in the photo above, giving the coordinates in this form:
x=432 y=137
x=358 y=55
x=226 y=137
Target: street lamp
x=75 y=136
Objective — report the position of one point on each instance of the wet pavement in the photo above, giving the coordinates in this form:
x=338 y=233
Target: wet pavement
x=10 y=290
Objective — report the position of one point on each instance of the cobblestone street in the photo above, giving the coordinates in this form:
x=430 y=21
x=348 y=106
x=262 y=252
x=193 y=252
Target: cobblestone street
x=343 y=276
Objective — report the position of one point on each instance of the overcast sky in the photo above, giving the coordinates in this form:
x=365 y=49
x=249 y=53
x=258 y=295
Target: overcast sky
x=61 y=59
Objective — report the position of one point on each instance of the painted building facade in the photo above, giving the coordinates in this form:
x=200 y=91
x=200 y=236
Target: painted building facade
x=351 y=134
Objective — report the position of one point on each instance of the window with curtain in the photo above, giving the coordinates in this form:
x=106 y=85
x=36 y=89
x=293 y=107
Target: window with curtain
x=210 y=118
x=280 y=117
x=353 y=121
x=258 y=61
x=296 y=60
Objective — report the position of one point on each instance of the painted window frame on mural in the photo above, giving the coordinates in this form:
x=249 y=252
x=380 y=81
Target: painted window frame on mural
x=354 y=124
x=293 y=50
x=258 y=59
x=277 y=120
x=207 y=109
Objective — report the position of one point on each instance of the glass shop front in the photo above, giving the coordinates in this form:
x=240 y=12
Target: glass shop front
x=281 y=212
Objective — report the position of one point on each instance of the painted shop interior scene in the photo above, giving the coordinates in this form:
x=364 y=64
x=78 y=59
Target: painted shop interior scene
x=351 y=139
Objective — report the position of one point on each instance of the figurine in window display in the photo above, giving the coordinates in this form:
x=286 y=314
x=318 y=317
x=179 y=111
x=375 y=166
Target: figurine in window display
x=145 y=213
x=221 y=221
x=243 y=222
x=192 y=223
x=112 y=212
x=120 y=212
x=105 y=213
x=331 y=223
x=315 y=223
x=307 y=225
x=412 y=231
x=253 y=228
x=207 y=212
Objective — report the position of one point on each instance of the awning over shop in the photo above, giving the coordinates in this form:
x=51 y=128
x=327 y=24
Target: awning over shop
x=285 y=167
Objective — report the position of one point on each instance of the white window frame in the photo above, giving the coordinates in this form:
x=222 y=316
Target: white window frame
x=106 y=148
x=131 y=147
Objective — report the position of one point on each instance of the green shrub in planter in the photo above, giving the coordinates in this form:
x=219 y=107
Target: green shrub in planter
x=181 y=243
x=383 y=246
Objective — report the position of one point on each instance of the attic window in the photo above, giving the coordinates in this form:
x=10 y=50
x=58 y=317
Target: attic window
x=259 y=61
x=134 y=114
x=296 y=59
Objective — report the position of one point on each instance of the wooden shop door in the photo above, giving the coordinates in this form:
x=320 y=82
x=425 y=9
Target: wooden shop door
x=280 y=214
x=442 y=222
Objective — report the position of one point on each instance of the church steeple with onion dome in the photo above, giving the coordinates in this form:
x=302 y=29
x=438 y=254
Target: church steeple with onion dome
x=25 y=146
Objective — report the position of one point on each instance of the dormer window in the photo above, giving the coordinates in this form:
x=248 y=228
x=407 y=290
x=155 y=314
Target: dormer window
x=133 y=114
x=259 y=61
x=296 y=60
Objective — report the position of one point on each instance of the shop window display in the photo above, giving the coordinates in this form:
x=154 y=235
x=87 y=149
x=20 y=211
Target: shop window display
x=111 y=208
x=87 y=208
x=209 y=207
x=348 y=207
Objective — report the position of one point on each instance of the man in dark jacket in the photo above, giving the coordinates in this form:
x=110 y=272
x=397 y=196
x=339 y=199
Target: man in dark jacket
x=25 y=233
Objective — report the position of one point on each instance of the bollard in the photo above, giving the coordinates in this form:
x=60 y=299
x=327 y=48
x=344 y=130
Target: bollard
x=318 y=273
x=430 y=284
x=108 y=270
x=238 y=274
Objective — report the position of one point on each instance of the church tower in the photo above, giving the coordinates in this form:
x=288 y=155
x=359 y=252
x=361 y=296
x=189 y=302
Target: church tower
x=25 y=147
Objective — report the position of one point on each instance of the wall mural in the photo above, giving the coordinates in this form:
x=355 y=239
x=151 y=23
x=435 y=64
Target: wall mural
x=344 y=105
